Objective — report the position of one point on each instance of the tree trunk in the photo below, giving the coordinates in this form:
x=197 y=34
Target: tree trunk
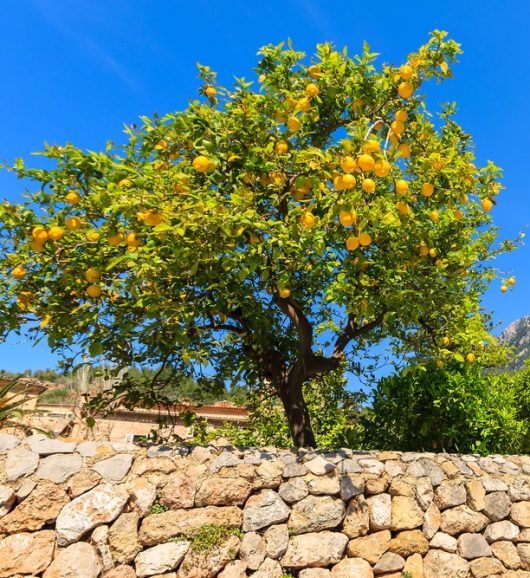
x=295 y=406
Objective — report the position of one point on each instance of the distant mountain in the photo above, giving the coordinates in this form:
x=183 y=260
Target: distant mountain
x=517 y=335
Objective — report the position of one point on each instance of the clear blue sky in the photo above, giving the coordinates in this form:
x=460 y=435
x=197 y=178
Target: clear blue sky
x=76 y=70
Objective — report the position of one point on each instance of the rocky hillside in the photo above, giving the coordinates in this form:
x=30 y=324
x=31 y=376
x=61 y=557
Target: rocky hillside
x=517 y=335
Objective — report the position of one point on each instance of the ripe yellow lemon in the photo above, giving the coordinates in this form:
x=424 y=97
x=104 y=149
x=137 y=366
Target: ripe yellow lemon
x=397 y=127
x=348 y=164
x=444 y=341
x=210 y=91
x=401 y=115
x=115 y=239
x=304 y=104
x=307 y=219
x=92 y=275
x=381 y=168
x=368 y=185
x=405 y=90
x=404 y=150
x=56 y=233
x=458 y=215
x=433 y=252
x=371 y=146
x=424 y=250
x=403 y=208
x=201 y=164
x=405 y=71
x=312 y=90
x=511 y=281
x=402 y=187
x=132 y=239
x=161 y=145
x=352 y=243
x=125 y=184
x=348 y=181
x=72 y=197
x=40 y=234
x=365 y=162
x=434 y=216
x=153 y=218
x=504 y=288
x=314 y=71
x=439 y=363
x=470 y=358
x=93 y=291
x=347 y=218
x=92 y=235
x=72 y=223
x=18 y=272
x=365 y=239
x=36 y=246
x=487 y=205
x=284 y=293
x=293 y=124
x=282 y=147
x=338 y=183
x=427 y=189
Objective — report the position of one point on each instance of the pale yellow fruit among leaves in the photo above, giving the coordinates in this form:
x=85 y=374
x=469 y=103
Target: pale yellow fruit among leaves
x=72 y=197
x=381 y=168
x=36 y=246
x=487 y=205
x=404 y=150
x=93 y=291
x=439 y=363
x=368 y=185
x=405 y=90
x=347 y=218
x=132 y=240
x=402 y=187
x=153 y=218
x=352 y=243
x=161 y=145
x=401 y=115
x=366 y=162
x=312 y=90
x=348 y=164
x=304 y=104
x=433 y=252
x=424 y=250
x=18 y=272
x=365 y=239
x=293 y=124
x=348 y=181
x=282 y=147
x=405 y=71
x=210 y=91
x=314 y=71
x=72 y=223
x=403 y=208
x=115 y=239
x=504 y=288
x=427 y=189
x=125 y=184
x=55 y=233
x=458 y=215
x=284 y=293
x=470 y=358
x=338 y=183
x=434 y=216
x=92 y=275
x=511 y=281
x=371 y=146
x=92 y=235
x=307 y=219
x=397 y=127
x=445 y=341
x=201 y=164
x=40 y=234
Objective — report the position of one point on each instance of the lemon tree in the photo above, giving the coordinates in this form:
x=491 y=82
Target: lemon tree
x=268 y=233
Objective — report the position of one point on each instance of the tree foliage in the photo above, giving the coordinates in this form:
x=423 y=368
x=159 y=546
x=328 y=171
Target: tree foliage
x=264 y=235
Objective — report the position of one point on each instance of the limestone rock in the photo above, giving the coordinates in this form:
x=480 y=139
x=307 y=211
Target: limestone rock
x=161 y=558
x=234 y=569
x=40 y=508
x=357 y=519
x=494 y=485
x=276 y=540
x=314 y=573
x=440 y=564
x=326 y=484
x=370 y=547
x=252 y=550
x=406 y=513
x=294 y=490
x=158 y=528
x=507 y=553
x=268 y=569
x=314 y=514
x=120 y=571
x=82 y=482
x=352 y=567
x=45 y=446
x=376 y=486
x=409 y=542
x=179 y=492
x=208 y=563
x=501 y=531
x=471 y=546
x=519 y=491
x=486 y=568
x=162 y=465
x=7 y=499
x=123 y=537
x=462 y=519
x=524 y=553
x=224 y=460
x=431 y=521
x=476 y=495
x=414 y=566
x=268 y=475
x=497 y=506
x=520 y=514
x=449 y=496
x=350 y=486
x=294 y=469
x=319 y=466
x=217 y=491
x=8 y=442
x=444 y=542
x=263 y=510
x=24 y=490
x=114 y=469
x=424 y=493
x=389 y=562
x=58 y=468
x=314 y=550
x=380 y=511
x=143 y=495
x=26 y=553
x=101 y=505
x=79 y=560
x=20 y=462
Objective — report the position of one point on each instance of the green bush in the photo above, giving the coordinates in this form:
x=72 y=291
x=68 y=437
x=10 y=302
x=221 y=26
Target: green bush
x=452 y=410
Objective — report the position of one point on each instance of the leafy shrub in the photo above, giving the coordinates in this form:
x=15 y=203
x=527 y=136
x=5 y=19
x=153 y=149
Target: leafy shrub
x=452 y=410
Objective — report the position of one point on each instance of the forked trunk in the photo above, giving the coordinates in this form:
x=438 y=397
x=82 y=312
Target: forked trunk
x=295 y=407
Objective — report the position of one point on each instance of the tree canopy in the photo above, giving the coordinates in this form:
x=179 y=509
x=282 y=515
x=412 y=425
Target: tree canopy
x=267 y=233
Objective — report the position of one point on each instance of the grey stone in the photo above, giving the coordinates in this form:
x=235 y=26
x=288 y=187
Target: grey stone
x=8 y=442
x=449 y=496
x=471 y=546
x=252 y=550
x=372 y=466
x=276 y=540
x=380 y=511
x=519 y=491
x=159 y=451
x=161 y=558
x=268 y=569
x=314 y=550
x=294 y=469
x=115 y=468
x=26 y=487
x=440 y=564
x=316 y=513
x=494 y=485
x=263 y=510
x=59 y=467
x=45 y=446
x=501 y=531
x=424 y=492
x=498 y=506
x=389 y=562
x=89 y=449
x=79 y=560
x=20 y=462
x=351 y=486
x=7 y=499
x=225 y=460
x=319 y=466
x=294 y=490
x=349 y=466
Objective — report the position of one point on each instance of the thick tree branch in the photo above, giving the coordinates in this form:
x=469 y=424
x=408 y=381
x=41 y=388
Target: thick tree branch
x=297 y=317
x=353 y=330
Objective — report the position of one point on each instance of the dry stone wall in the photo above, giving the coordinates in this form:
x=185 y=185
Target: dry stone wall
x=115 y=510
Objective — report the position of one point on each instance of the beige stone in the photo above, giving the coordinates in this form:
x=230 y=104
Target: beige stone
x=314 y=550
x=414 y=566
x=507 y=553
x=123 y=537
x=268 y=569
x=409 y=542
x=431 y=521
x=476 y=495
x=314 y=573
x=471 y=546
x=323 y=485
x=352 y=567
x=41 y=507
x=158 y=528
x=380 y=512
x=357 y=519
x=449 y=495
x=486 y=568
x=370 y=547
x=252 y=550
x=462 y=519
x=444 y=542
x=7 y=499
x=314 y=514
x=400 y=487
x=163 y=465
x=179 y=492
x=389 y=562
x=268 y=475
x=26 y=553
x=293 y=490
x=79 y=560
x=208 y=563
x=265 y=509
x=276 y=540
x=406 y=513
x=120 y=571
x=376 y=486
x=218 y=491
x=234 y=569
x=82 y=482
x=440 y=564
x=523 y=550
x=501 y=531
x=161 y=558
x=520 y=514
x=143 y=495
